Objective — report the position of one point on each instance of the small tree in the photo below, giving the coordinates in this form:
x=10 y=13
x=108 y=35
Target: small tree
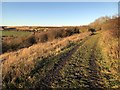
x=92 y=30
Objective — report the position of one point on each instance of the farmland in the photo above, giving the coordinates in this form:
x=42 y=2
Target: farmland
x=14 y=33
x=67 y=57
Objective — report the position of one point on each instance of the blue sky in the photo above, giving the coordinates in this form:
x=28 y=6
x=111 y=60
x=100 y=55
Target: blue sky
x=55 y=13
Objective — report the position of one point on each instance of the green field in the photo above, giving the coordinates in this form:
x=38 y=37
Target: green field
x=14 y=33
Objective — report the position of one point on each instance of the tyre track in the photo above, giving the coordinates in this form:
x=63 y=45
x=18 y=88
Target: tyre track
x=94 y=74
x=53 y=73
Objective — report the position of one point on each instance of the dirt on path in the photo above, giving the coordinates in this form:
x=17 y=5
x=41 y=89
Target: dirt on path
x=53 y=73
x=94 y=74
x=94 y=77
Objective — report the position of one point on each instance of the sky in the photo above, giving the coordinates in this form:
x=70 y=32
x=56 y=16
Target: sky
x=55 y=13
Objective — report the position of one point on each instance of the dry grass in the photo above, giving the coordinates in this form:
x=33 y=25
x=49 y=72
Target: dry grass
x=25 y=58
x=110 y=44
x=110 y=50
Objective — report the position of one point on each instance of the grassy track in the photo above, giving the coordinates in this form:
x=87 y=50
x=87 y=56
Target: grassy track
x=54 y=72
x=81 y=69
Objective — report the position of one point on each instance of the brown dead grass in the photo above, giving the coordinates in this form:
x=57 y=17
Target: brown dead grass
x=110 y=50
x=27 y=56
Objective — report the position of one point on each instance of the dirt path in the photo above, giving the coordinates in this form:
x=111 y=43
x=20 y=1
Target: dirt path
x=94 y=74
x=47 y=81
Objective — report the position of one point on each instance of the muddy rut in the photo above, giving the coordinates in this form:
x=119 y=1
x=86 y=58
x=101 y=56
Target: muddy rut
x=49 y=78
x=94 y=74
x=94 y=77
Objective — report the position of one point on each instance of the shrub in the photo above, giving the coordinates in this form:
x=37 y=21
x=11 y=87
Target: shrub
x=113 y=26
x=5 y=47
x=30 y=40
x=17 y=43
x=41 y=37
x=92 y=30
x=54 y=34
x=12 y=44
x=70 y=31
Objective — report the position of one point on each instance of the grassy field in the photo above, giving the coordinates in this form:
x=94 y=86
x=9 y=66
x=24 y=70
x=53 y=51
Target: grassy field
x=14 y=33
